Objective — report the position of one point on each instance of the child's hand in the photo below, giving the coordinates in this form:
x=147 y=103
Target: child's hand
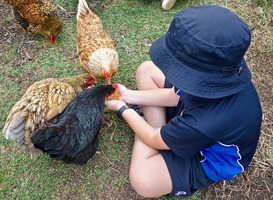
x=114 y=104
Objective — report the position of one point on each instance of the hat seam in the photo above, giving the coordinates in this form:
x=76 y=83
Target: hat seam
x=221 y=47
x=188 y=32
x=189 y=62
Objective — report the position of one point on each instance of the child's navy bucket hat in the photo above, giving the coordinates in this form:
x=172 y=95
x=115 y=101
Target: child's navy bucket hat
x=203 y=52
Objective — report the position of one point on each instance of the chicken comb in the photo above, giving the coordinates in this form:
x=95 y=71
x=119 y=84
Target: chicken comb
x=115 y=85
x=115 y=94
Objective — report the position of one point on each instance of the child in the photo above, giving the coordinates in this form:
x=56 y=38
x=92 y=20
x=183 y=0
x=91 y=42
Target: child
x=202 y=112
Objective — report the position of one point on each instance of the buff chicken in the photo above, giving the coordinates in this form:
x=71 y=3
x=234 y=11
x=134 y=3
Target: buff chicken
x=96 y=49
x=72 y=136
x=38 y=16
x=42 y=101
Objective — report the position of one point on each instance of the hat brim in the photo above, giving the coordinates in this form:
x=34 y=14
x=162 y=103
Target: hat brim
x=195 y=82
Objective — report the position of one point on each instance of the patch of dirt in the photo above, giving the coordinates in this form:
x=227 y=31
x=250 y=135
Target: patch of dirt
x=255 y=182
x=14 y=38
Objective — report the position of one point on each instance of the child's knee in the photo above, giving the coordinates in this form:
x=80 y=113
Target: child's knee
x=143 y=69
x=144 y=72
x=140 y=184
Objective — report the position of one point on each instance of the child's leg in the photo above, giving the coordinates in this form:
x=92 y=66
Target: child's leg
x=149 y=175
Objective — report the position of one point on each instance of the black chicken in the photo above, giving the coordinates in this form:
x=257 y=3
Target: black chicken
x=72 y=136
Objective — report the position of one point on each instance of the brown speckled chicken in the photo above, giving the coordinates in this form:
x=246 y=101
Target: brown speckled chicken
x=38 y=16
x=96 y=49
x=42 y=101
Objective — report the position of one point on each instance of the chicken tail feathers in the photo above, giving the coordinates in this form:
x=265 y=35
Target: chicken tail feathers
x=23 y=22
x=61 y=146
x=83 y=156
x=40 y=136
x=15 y=130
x=83 y=9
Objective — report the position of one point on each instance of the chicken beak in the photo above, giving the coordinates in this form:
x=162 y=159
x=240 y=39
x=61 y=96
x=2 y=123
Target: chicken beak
x=108 y=81
x=107 y=76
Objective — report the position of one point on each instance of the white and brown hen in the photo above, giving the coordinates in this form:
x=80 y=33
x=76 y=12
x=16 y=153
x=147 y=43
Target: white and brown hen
x=96 y=49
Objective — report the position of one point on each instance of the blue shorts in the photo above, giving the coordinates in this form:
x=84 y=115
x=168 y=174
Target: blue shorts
x=187 y=175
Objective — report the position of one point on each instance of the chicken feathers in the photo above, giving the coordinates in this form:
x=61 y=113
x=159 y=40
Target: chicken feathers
x=96 y=49
x=72 y=136
x=42 y=101
x=38 y=16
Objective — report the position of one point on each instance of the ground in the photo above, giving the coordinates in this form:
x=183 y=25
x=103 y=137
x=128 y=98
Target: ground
x=256 y=181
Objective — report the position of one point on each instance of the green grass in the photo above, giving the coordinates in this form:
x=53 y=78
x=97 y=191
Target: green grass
x=264 y=3
x=10 y=54
x=133 y=25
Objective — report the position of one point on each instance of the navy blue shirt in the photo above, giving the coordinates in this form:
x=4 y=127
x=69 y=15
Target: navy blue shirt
x=224 y=131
